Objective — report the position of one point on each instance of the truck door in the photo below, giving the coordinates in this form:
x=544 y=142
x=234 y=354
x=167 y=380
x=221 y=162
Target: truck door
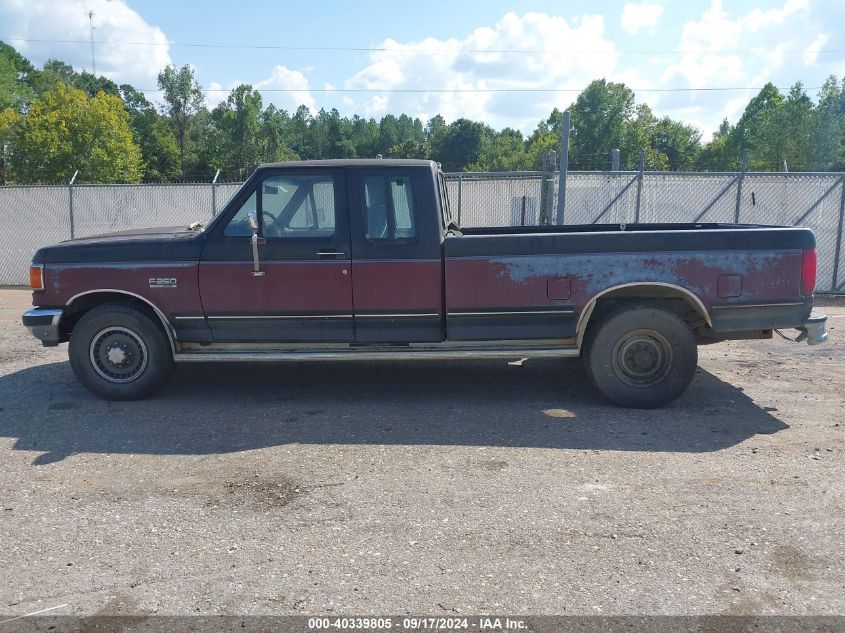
x=397 y=265
x=302 y=288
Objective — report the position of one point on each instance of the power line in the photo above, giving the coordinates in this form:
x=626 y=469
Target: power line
x=451 y=90
x=384 y=49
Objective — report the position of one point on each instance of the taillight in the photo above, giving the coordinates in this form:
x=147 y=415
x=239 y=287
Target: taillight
x=36 y=276
x=808 y=271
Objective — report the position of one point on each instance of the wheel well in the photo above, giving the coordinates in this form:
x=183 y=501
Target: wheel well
x=679 y=300
x=77 y=308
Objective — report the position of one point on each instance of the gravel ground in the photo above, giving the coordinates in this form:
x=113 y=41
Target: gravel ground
x=426 y=487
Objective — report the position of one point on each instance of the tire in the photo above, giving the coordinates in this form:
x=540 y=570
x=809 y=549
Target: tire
x=119 y=353
x=640 y=355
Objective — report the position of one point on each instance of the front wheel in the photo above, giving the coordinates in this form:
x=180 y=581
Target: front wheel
x=119 y=353
x=639 y=355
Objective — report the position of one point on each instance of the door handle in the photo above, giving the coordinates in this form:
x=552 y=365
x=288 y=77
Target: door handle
x=331 y=254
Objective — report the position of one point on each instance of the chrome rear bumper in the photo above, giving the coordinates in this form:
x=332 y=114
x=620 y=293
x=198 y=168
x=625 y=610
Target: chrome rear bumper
x=43 y=323
x=814 y=330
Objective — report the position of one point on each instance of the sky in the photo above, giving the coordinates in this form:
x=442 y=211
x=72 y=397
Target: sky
x=507 y=64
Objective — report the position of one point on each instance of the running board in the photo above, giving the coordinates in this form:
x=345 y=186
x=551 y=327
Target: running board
x=452 y=352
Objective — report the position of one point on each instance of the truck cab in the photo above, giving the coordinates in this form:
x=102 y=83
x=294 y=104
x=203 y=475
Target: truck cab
x=339 y=254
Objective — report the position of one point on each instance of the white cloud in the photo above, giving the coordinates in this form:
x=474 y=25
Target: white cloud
x=712 y=43
x=721 y=49
x=293 y=86
x=637 y=17
x=810 y=54
x=216 y=94
x=569 y=55
x=115 y=22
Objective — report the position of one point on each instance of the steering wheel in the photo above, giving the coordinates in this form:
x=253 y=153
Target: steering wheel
x=271 y=228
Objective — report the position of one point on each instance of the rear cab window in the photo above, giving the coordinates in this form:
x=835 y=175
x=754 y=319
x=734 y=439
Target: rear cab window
x=388 y=207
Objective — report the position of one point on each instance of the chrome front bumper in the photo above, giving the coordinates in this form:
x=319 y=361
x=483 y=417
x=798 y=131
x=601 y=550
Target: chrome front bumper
x=43 y=323
x=814 y=330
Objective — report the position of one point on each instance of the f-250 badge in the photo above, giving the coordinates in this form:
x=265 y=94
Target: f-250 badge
x=162 y=282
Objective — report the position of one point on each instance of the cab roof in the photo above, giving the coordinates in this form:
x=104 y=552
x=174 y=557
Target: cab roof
x=353 y=162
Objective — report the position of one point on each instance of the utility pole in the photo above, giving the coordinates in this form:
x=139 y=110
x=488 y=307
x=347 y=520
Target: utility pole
x=564 y=166
x=90 y=15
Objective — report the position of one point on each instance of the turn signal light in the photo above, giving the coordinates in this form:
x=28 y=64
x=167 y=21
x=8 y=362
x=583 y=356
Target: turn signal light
x=36 y=277
x=808 y=272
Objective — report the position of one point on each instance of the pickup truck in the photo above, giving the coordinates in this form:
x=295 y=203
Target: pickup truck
x=362 y=260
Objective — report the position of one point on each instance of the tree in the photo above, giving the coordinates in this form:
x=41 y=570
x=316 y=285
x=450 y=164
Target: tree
x=545 y=138
x=13 y=92
x=65 y=130
x=365 y=135
x=183 y=97
x=274 y=129
x=300 y=141
x=154 y=136
x=599 y=118
x=239 y=122
x=757 y=130
x=9 y=120
x=53 y=73
x=639 y=134
x=461 y=144
x=828 y=127
x=504 y=151
x=717 y=154
x=678 y=142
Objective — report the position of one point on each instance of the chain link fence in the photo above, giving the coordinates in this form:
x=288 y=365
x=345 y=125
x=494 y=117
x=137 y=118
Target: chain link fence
x=814 y=200
x=33 y=216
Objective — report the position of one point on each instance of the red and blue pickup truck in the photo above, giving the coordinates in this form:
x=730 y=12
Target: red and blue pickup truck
x=361 y=259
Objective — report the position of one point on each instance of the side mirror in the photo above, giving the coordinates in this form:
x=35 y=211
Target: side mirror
x=252 y=221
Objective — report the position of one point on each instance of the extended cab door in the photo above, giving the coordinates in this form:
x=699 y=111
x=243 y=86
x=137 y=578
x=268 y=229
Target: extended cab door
x=397 y=265
x=303 y=289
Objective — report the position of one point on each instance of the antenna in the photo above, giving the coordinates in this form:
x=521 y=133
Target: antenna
x=90 y=15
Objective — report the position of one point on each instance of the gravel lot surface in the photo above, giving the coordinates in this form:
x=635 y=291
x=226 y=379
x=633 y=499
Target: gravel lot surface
x=425 y=487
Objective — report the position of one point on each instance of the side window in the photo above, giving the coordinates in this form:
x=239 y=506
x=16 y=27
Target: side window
x=298 y=206
x=291 y=206
x=389 y=208
x=238 y=225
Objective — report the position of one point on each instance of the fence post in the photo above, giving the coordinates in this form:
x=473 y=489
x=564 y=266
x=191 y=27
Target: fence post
x=743 y=165
x=460 y=195
x=70 y=202
x=839 y=237
x=564 y=166
x=639 y=185
x=214 y=195
x=614 y=160
x=547 y=188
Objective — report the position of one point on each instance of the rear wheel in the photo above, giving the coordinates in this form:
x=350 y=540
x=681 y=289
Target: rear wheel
x=119 y=353
x=640 y=355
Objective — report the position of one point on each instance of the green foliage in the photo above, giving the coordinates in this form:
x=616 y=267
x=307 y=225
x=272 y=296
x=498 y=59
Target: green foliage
x=65 y=130
x=461 y=144
x=239 y=122
x=601 y=116
x=9 y=120
x=503 y=151
x=54 y=120
x=183 y=99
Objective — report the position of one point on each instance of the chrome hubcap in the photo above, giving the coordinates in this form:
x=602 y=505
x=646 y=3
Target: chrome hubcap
x=118 y=354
